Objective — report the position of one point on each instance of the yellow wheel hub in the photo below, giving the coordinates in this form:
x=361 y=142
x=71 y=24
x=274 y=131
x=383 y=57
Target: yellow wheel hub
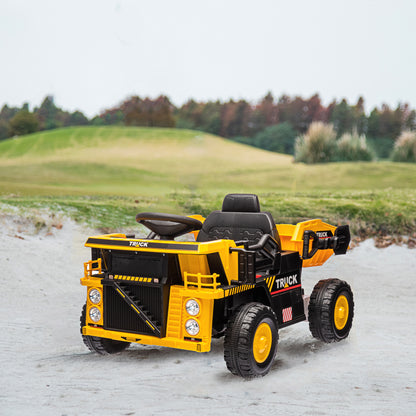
x=262 y=342
x=341 y=312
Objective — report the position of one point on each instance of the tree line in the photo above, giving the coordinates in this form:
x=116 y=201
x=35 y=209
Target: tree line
x=271 y=123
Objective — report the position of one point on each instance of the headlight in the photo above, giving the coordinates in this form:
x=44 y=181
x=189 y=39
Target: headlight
x=95 y=296
x=95 y=314
x=192 y=327
x=192 y=307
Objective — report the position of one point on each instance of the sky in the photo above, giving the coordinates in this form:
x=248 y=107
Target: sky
x=93 y=54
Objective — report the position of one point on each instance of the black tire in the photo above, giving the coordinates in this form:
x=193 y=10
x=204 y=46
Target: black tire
x=102 y=346
x=331 y=310
x=253 y=324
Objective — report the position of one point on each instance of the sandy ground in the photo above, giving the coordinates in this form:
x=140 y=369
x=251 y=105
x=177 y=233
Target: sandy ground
x=46 y=370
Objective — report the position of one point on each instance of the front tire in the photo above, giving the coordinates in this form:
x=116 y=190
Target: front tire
x=250 y=343
x=102 y=346
x=331 y=310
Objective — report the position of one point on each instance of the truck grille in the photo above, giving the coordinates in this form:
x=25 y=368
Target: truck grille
x=119 y=316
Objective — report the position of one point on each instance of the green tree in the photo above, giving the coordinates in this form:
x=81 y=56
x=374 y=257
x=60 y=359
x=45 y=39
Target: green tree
x=7 y=113
x=78 y=119
x=97 y=121
x=189 y=115
x=373 y=123
x=24 y=122
x=47 y=114
x=4 y=129
x=342 y=118
x=279 y=138
x=210 y=117
x=360 y=119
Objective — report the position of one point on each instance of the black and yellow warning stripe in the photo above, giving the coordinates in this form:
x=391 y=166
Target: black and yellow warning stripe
x=270 y=281
x=237 y=289
x=133 y=278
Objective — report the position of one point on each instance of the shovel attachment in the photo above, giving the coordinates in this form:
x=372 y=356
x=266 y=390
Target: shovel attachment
x=322 y=241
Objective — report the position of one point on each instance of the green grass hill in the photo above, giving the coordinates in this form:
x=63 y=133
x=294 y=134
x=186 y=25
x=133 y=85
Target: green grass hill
x=125 y=169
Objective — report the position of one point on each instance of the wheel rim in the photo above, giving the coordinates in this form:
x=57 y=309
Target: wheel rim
x=262 y=342
x=341 y=312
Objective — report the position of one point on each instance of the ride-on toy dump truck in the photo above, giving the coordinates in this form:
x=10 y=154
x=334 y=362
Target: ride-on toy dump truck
x=241 y=278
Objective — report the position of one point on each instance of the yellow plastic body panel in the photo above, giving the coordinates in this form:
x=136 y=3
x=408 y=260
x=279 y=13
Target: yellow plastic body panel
x=291 y=237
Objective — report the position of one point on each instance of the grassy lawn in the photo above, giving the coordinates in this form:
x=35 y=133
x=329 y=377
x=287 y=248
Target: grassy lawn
x=104 y=176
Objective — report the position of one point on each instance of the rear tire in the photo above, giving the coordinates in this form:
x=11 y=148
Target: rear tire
x=331 y=310
x=102 y=346
x=251 y=338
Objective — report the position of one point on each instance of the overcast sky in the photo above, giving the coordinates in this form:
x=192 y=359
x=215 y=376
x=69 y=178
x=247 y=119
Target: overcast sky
x=92 y=54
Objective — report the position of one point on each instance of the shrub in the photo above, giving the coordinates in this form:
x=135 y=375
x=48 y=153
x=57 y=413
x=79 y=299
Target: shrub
x=383 y=146
x=278 y=138
x=352 y=146
x=405 y=147
x=318 y=145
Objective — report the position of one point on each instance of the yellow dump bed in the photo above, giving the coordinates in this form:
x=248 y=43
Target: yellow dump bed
x=291 y=237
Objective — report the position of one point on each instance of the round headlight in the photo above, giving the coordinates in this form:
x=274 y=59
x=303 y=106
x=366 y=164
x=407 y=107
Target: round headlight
x=192 y=327
x=192 y=307
x=95 y=314
x=95 y=296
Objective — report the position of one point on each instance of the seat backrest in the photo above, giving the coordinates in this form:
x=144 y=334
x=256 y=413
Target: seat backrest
x=239 y=219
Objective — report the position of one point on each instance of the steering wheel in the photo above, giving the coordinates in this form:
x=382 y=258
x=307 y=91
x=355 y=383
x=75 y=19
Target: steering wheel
x=167 y=226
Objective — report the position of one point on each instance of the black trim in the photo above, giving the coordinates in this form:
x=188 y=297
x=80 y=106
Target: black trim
x=148 y=244
x=293 y=321
x=216 y=266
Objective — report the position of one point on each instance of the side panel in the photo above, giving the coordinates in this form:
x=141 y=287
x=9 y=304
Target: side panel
x=286 y=290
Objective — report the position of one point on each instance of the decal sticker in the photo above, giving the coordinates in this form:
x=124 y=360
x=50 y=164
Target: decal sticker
x=138 y=244
x=284 y=283
x=238 y=289
x=323 y=235
x=287 y=314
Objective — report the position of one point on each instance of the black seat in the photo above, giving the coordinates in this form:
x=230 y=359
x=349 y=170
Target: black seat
x=239 y=219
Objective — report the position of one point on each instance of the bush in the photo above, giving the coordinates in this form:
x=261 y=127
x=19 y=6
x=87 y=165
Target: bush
x=405 y=147
x=278 y=138
x=383 y=146
x=318 y=145
x=352 y=147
